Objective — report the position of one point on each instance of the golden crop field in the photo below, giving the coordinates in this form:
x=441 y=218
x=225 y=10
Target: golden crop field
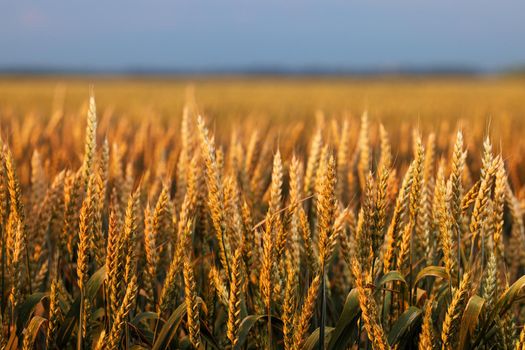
x=262 y=213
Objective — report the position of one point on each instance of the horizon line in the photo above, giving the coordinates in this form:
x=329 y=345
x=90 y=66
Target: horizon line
x=312 y=70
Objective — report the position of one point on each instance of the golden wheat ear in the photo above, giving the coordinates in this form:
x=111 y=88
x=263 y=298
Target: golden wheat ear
x=451 y=324
x=369 y=308
x=234 y=302
x=306 y=313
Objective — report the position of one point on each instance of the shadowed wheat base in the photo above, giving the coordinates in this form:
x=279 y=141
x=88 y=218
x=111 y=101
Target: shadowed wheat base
x=280 y=238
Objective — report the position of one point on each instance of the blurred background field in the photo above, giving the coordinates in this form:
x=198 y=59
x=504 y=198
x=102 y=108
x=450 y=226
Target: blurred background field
x=423 y=100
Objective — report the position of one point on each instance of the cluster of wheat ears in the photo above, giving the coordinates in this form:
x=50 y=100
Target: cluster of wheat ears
x=259 y=243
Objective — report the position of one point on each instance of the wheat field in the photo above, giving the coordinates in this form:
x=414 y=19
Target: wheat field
x=262 y=214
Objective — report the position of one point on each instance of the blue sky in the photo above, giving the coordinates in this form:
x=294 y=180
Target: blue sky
x=204 y=34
